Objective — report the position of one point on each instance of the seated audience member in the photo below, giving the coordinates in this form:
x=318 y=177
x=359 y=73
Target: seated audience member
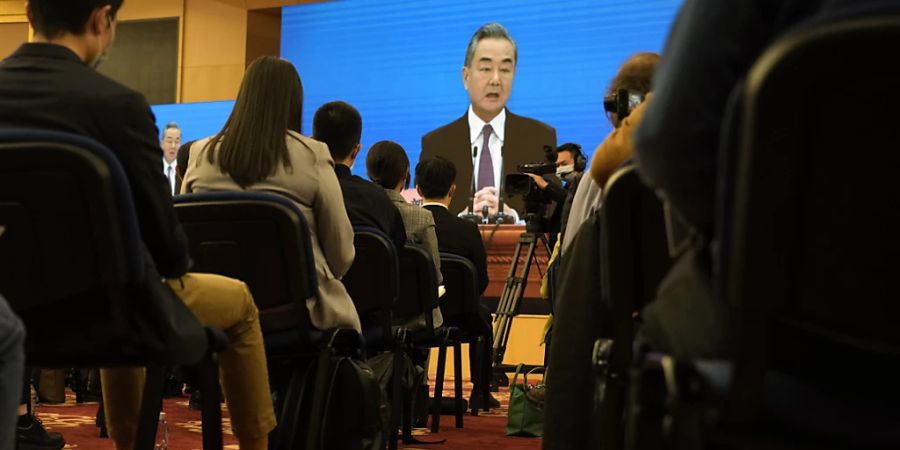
x=677 y=148
x=184 y=152
x=170 y=142
x=339 y=125
x=634 y=76
x=579 y=317
x=50 y=84
x=436 y=184
x=388 y=166
x=12 y=366
x=260 y=148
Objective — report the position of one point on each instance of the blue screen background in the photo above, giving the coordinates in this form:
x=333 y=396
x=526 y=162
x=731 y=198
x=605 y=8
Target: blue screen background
x=400 y=62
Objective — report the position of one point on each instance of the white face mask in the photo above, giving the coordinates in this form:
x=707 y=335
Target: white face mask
x=562 y=171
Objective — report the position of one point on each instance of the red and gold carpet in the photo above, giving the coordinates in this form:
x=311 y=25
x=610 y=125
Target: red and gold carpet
x=76 y=423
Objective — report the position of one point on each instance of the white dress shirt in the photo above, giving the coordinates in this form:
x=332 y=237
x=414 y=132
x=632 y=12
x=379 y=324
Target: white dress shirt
x=171 y=178
x=476 y=128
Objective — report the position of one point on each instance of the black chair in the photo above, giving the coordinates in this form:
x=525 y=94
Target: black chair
x=812 y=255
x=634 y=259
x=459 y=306
x=373 y=284
x=418 y=296
x=263 y=240
x=74 y=268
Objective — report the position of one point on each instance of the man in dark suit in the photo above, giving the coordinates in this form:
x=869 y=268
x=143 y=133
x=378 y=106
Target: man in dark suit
x=339 y=125
x=170 y=141
x=435 y=179
x=488 y=141
x=50 y=84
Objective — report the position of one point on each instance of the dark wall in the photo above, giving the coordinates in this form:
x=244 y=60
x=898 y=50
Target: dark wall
x=144 y=57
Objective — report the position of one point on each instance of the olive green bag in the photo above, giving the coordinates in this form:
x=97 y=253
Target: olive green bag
x=526 y=415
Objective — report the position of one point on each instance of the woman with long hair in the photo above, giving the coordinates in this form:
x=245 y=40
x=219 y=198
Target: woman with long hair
x=260 y=148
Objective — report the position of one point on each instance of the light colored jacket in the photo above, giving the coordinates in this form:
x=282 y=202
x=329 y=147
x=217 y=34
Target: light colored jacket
x=312 y=184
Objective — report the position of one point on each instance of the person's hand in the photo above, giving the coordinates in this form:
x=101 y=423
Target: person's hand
x=538 y=180
x=487 y=196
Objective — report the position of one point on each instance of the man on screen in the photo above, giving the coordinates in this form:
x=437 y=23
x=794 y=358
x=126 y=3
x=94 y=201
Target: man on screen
x=488 y=141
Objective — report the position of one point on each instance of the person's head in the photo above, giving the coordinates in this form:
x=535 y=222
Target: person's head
x=388 y=166
x=339 y=125
x=635 y=76
x=88 y=27
x=253 y=141
x=569 y=159
x=170 y=140
x=489 y=69
x=435 y=179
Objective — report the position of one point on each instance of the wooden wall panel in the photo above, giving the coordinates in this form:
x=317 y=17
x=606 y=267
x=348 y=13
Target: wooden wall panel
x=215 y=37
x=263 y=33
x=12 y=35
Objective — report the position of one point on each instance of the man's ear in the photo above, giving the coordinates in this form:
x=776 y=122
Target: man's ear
x=355 y=151
x=452 y=191
x=419 y=191
x=465 y=77
x=99 y=20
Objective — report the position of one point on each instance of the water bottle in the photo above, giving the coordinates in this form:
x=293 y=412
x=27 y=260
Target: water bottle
x=162 y=433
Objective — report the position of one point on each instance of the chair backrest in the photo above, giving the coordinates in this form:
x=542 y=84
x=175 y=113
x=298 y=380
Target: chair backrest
x=259 y=238
x=68 y=218
x=814 y=243
x=634 y=259
x=373 y=279
x=72 y=262
x=459 y=304
x=418 y=284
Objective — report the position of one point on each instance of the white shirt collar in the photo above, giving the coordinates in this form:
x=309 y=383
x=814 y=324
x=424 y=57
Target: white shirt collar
x=434 y=204
x=476 y=125
x=173 y=164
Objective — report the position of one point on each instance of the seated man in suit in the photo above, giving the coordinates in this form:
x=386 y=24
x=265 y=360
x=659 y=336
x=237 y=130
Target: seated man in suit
x=435 y=183
x=388 y=167
x=50 y=84
x=339 y=125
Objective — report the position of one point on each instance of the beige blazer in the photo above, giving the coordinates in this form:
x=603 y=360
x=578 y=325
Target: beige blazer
x=312 y=184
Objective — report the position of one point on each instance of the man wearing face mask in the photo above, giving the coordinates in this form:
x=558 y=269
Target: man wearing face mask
x=570 y=164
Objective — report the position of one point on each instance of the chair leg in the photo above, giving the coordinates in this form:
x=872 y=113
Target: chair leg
x=457 y=383
x=211 y=409
x=151 y=404
x=396 y=397
x=438 y=389
x=485 y=369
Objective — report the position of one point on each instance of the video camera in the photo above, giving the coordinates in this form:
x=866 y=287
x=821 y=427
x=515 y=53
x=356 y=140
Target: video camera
x=621 y=102
x=536 y=199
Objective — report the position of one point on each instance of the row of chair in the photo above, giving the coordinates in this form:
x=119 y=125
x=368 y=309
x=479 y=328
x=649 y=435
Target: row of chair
x=805 y=257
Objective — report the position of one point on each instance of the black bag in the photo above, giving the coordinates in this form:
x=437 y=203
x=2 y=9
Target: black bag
x=356 y=413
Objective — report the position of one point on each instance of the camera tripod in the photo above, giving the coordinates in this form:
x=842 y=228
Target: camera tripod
x=511 y=298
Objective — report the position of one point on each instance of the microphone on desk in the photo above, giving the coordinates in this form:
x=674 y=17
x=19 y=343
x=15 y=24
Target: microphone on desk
x=485 y=213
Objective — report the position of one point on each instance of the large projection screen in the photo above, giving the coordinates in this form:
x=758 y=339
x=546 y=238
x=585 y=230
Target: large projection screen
x=399 y=62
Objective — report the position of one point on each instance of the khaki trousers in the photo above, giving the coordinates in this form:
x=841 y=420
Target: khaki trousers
x=219 y=302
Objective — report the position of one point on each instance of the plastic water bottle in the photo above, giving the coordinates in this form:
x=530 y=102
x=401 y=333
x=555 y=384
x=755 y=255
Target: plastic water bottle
x=162 y=433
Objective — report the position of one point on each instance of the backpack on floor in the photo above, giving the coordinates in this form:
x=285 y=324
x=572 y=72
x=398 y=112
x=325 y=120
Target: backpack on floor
x=356 y=413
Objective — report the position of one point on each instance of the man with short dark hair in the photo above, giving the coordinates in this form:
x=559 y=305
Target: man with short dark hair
x=50 y=84
x=170 y=141
x=435 y=183
x=339 y=125
x=488 y=141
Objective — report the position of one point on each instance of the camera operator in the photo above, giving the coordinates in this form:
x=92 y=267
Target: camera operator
x=560 y=187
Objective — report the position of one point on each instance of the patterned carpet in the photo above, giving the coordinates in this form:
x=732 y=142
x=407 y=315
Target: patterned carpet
x=76 y=423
